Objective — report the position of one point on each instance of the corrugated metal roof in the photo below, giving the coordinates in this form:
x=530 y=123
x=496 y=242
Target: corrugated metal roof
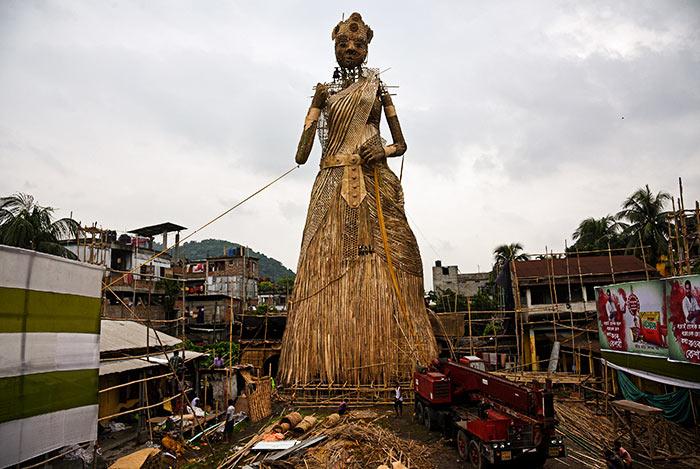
x=590 y=265
x=119 y=366
x=126 y=335
x=107 y=368
x=158 y=229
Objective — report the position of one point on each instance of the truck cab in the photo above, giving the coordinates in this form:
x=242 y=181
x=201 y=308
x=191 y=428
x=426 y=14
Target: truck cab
x=473 y=361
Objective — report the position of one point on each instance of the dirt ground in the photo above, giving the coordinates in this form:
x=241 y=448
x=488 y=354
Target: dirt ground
x=445 y=455
x=448 y=458
x=445 y=458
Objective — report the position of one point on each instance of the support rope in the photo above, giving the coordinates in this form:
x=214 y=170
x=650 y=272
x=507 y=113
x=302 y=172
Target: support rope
x=157 y=255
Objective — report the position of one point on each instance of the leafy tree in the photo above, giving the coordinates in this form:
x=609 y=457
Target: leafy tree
x=482 y=301
x=26 y=224
x=509 y=252
x=643 y=215
x=444 y=301
x=171 y=289
x=596 y=233
x=220 y=349
x=265 y=287
x=494 y=327
x=285 y=284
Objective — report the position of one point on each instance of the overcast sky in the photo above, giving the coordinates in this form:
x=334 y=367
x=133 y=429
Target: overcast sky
x=135 y=113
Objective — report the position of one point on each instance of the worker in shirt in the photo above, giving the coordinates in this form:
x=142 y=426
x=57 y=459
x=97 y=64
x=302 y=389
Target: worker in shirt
x=230 y=413
x=176 y=361
x=398 y=401
x=623 y=454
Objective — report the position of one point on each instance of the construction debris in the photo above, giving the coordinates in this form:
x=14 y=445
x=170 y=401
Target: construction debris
x=351 y=441
x=145 y=458
x=593 y=433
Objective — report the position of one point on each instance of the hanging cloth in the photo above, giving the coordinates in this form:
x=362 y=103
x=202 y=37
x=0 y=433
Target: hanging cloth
x=676 y=404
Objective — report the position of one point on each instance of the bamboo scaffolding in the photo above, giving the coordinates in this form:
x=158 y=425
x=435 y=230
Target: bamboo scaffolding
x=180 y=379
x=139 y=409
x=142 y=380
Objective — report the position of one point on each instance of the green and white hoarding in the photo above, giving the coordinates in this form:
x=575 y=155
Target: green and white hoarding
x=49 y=353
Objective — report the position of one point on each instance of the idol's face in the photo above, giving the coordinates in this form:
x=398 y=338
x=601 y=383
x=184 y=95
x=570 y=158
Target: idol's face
x=350 y=50
x=688 y=291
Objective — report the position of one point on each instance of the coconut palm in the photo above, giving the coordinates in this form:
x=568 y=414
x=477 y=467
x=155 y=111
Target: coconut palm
x=26 y=224
x=597 y=233
x=644 y=216
x=509 y=252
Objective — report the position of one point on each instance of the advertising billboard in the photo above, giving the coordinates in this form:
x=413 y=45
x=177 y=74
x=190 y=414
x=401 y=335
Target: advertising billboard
x=682 y=300
x=631 y=318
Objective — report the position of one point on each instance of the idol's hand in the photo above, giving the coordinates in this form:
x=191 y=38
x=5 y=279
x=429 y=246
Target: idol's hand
x=371 y=152
x=320 y=96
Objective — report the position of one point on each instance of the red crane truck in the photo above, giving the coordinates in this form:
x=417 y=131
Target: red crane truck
x=495 y=421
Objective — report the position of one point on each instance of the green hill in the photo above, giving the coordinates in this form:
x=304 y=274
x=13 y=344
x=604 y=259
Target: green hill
x=269 y=267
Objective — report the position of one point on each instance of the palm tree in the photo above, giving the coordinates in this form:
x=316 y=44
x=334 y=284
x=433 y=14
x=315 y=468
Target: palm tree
x=26 y=224
x=509 y=252
x=597 y=233
x=644 y=216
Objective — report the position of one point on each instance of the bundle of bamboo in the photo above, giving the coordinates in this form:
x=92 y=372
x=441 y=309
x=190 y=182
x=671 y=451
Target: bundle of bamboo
x=305 y=425
x=260 y=400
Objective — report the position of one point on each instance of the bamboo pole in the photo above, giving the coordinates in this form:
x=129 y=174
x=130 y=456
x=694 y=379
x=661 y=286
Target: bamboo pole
x=686 y=250
x=671 y=260
x=148 y=410
x=676 y=231
x=518 y=340
x=139 y=409
x=571 y=312
x=471 y=338
x=553 y=289
x=111 y=388
x=612 y=269
x=644 y=258
x=605 y=378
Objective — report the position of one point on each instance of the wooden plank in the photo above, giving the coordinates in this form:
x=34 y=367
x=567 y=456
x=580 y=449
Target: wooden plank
x=636 y=407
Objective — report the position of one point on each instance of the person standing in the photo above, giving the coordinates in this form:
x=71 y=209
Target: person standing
x=398 y=401
x=230 y=413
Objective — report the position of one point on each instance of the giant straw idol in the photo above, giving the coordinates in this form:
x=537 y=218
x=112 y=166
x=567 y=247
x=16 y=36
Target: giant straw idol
x=357 y=314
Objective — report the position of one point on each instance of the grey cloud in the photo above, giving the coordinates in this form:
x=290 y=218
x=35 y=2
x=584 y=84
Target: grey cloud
x=496 y=100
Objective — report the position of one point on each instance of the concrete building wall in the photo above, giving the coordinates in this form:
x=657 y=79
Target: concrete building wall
x=449 y=277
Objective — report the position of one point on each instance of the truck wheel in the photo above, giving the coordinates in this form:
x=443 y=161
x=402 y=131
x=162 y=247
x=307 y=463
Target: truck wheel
x=463 y=445
x=419 y=412
x=445 y=423
x=430 y=419
x=475 y=458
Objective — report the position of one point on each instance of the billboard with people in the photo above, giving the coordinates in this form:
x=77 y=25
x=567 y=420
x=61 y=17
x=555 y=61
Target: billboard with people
x=659 y=318
x=682 y=301
x=631 y=318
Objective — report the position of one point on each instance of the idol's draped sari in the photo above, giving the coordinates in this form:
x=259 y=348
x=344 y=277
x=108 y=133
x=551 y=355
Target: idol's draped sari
x=345 y=324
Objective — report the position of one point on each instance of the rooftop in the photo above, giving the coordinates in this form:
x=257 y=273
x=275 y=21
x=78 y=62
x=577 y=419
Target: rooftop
x=158 y=229
x=129 y=335
x=590 y=266
x=120 y=366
